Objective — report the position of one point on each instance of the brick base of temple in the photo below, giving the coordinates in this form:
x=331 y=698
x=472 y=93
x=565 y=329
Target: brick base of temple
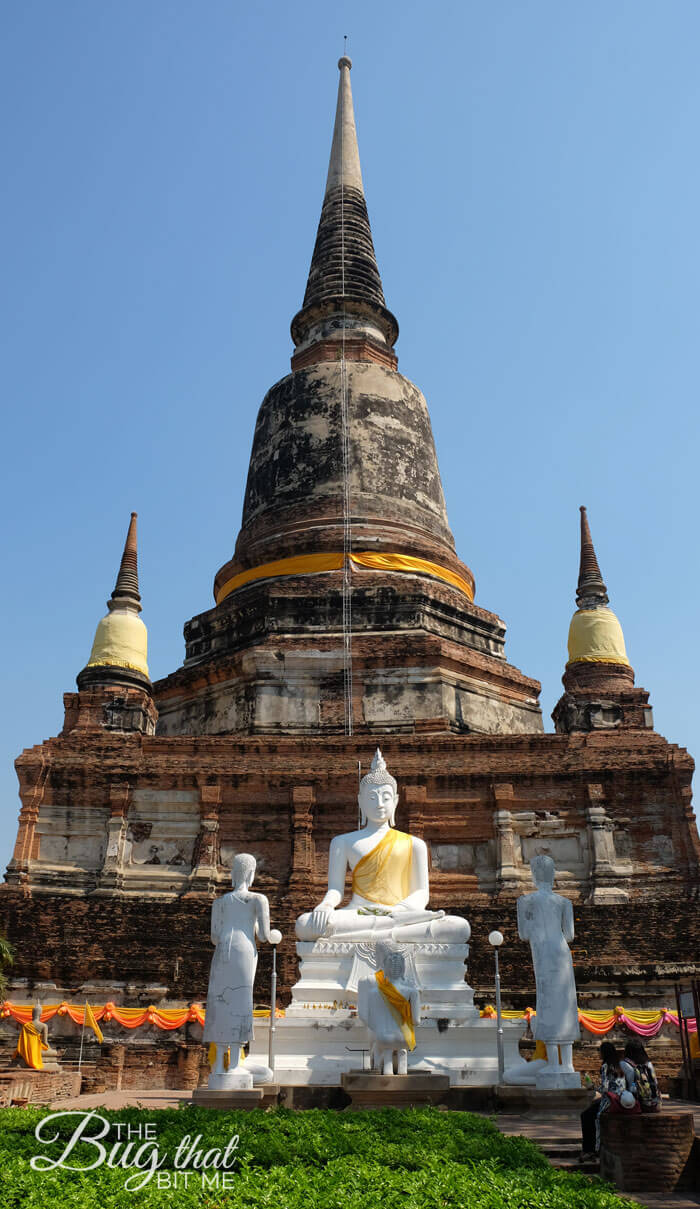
x=153 y=1059
x=125 y=839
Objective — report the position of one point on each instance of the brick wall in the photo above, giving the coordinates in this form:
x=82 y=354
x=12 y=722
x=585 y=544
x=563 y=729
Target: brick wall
x=47 y=1086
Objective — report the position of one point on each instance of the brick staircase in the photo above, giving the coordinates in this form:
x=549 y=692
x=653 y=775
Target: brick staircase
x=563 y=1153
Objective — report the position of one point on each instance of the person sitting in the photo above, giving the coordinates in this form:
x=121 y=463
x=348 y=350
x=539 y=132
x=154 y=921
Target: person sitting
x=639 y=1068
x=615 y=1084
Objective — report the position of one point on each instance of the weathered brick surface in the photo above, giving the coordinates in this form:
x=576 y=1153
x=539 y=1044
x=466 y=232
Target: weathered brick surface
x=647 y=1152
x=48 y=1086
x=449 y=794
x=162 y=1062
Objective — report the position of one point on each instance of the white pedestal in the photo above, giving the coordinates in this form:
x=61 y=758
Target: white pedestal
x=319 y=1048
x=321 y=1038
x=235 y=1079
x=553 y=1081
x=329 y=972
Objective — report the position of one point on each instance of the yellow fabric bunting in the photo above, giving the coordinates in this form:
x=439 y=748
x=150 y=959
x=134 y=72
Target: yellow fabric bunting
x=92 y=1023
x=383 y=875
x=399 y=1007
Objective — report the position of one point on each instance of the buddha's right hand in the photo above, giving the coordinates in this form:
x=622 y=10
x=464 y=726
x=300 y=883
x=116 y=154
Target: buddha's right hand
x=320 y=919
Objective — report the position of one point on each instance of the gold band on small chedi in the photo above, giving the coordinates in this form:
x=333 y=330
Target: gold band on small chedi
x=310 y=564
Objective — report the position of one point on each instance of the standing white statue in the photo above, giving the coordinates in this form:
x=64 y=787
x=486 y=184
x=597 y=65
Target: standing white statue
x=389 y=878
x=389 y=1004
x=546 y=919
x=236 y=919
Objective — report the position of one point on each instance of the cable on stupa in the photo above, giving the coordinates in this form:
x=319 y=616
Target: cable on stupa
x=345 y=442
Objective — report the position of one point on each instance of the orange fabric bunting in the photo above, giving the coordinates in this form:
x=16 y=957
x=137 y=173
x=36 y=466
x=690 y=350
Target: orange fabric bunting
x=164 y=1018
x=645 y=1023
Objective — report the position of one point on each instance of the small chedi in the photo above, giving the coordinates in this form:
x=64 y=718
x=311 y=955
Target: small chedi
x=546 y=920
x=335 y=1013
x=236 y=919
x=389 y=1005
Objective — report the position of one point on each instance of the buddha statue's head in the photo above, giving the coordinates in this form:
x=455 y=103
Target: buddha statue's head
x=243 y=870
x=542 y=869
x=378 y=796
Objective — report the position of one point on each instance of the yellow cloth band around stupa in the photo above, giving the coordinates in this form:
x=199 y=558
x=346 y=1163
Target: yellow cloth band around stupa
x=383 y=875
x=121 y=640
x=595 y=636
x=400 y=1008
x=311 y=564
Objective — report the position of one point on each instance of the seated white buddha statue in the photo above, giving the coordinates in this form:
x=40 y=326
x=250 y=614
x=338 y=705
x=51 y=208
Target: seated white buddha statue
x=389 y=878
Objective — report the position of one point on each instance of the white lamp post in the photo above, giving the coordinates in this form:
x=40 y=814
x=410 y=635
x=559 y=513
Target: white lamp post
x=496 y=939
x=275 y=938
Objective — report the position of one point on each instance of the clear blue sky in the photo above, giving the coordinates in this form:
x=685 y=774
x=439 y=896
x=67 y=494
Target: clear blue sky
x=532 y=177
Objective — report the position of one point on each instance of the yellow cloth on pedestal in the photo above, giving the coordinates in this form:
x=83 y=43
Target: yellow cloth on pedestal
x=399 y=1007
x=30 y=1045
x=541 y=1051
x=383 y=875
x=211 y=1054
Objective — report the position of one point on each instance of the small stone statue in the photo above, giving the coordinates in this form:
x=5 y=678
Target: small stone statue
x=34 y=1049
x=236 y=919
x=389 y=1004
x=546 y=919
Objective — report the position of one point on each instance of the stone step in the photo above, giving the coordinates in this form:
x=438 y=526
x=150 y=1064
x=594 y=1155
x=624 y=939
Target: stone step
x=589 y=1168
x=563 y=1153
x=563 y=1150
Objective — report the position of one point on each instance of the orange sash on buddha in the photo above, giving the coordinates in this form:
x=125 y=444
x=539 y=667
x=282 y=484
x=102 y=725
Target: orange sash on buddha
x=383 y=875
x=400 y=1008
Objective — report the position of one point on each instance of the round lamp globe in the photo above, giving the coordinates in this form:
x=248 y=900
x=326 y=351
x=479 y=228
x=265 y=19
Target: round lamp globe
x=495 y=939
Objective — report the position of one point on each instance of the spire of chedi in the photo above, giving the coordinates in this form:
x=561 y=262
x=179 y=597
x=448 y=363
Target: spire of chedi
x=595 y=634
x=598 y=679
x=344 y=299
x=345 y=598
x=126 y=589
x=119 y=652
x=344 y=440
x=590 y=591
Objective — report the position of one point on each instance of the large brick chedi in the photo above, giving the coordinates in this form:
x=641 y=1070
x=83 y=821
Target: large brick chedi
x=345 y=615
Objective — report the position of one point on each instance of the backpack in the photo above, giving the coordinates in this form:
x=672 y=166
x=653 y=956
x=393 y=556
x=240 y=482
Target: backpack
x=647 y=1088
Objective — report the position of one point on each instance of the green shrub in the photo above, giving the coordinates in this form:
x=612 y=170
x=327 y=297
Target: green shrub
x=389 y=1159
